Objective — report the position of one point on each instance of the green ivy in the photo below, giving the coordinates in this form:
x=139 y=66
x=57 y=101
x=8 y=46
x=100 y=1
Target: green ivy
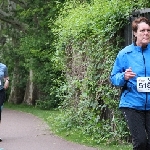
x=89 y=35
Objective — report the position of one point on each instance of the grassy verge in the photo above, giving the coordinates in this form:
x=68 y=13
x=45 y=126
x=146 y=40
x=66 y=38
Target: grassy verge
x=73 y=135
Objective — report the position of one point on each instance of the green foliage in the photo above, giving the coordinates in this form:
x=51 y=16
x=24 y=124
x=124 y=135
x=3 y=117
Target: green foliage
x=37 y=53
x=71 y=48
x=89 y=35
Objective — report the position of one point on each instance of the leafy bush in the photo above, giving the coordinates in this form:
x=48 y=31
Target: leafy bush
x=89 y=37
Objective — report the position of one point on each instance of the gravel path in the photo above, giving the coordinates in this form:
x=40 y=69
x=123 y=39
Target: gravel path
x=24 y=131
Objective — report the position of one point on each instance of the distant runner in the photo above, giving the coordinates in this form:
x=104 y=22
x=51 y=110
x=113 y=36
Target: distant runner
x=4 y=84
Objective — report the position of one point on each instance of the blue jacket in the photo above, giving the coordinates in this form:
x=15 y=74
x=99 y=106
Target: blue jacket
x=139 y=61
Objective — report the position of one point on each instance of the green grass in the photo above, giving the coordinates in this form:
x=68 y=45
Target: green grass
x=74 y=135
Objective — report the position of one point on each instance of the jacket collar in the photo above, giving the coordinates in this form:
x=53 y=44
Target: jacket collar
x=139 y=48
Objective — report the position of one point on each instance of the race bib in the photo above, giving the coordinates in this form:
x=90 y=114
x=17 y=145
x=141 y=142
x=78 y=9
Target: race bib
x=143 y=84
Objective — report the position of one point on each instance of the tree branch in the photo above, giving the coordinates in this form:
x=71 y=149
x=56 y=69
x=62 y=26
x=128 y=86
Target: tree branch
x=7 y=18
x=21 y=3
x=2 y=13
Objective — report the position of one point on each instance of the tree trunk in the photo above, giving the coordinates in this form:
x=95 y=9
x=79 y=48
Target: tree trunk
x=17 y=92
x=31 y=91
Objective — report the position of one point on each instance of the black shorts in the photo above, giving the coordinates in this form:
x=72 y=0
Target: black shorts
x=2 y=99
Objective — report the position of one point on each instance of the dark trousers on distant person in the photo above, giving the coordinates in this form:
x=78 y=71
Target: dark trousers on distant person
x=2 y=99
x=139 y=126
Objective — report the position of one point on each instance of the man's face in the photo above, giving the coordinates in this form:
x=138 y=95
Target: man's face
x=142 y=34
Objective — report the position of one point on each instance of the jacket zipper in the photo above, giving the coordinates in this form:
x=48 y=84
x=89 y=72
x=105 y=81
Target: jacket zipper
x=145 y=75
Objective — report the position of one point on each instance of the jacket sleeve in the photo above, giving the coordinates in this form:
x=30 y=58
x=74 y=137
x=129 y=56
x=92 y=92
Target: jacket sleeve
x=118 y=71
x=5 y=72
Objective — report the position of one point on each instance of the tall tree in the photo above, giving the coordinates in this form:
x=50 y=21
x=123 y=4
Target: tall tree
x=30 y=38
